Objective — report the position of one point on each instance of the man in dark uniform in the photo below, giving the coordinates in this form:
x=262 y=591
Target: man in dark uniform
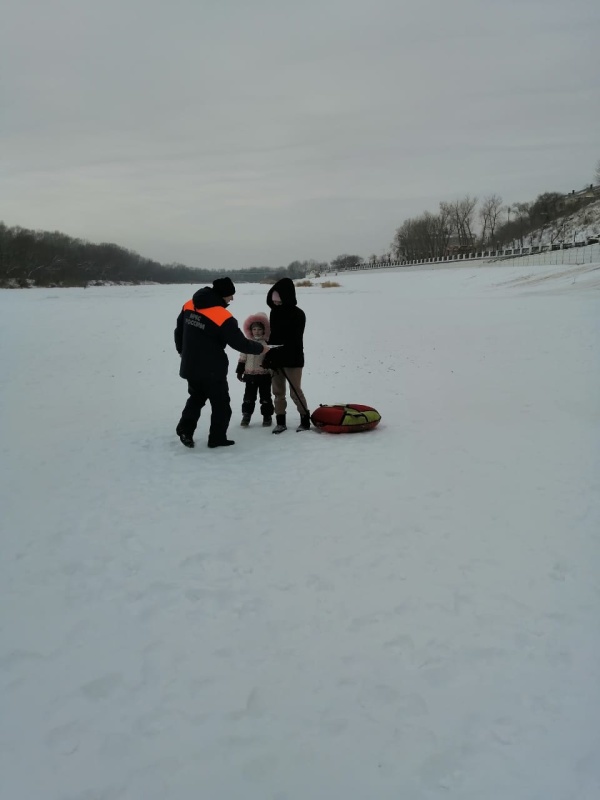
x=204 y=329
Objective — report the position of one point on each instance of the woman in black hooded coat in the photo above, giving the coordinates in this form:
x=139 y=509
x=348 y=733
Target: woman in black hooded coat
x=287 y=329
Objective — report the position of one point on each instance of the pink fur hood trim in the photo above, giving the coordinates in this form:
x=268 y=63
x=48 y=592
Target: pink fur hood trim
x=258 y=317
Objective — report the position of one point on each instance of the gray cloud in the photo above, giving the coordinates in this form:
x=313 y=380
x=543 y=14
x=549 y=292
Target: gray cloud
x=232 y=134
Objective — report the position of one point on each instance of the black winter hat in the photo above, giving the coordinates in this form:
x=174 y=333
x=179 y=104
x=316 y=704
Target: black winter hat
x=224 y=287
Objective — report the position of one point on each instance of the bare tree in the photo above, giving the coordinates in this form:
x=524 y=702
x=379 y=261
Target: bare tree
x=467 y=214
x=443 y=229
x=448 y=214
x=423 y=237
x=558 y=230
x=522 y=220
x=405 y=245
x=489 y=213
x=346 y=261
x=461 y=216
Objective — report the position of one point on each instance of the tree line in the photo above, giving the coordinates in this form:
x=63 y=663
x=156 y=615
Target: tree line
x=41 y=258
x=466 y=226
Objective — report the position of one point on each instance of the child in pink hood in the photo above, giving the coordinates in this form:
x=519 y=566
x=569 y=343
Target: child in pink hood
x=251 y=371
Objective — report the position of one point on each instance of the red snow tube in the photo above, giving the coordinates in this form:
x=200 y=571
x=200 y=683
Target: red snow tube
x=345 y=418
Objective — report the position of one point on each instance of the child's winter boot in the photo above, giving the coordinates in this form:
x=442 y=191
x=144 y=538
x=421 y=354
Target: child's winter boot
x=267 y=422
x=245 y=420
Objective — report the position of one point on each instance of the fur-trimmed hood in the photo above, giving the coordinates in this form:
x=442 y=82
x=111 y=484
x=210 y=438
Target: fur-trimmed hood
x=258 y=317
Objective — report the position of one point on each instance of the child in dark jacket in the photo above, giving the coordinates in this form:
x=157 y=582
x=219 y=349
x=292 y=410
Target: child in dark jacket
x=251 y=371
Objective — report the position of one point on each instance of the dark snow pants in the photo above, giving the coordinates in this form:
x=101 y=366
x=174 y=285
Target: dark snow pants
x=216 y=391
x=257 y=385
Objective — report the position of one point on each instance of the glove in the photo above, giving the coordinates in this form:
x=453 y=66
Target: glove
x=240 y=372
x=268 y=359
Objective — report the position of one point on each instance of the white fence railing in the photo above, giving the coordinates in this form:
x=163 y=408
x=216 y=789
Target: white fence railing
x=585 y=254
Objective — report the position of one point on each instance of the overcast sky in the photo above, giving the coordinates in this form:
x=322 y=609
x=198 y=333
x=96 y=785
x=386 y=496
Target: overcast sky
x=234 y=133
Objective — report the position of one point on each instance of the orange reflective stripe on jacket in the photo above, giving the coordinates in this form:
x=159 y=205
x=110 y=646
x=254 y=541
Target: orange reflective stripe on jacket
x=216 y=314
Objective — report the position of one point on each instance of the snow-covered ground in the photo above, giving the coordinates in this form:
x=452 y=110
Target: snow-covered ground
x=409 y=613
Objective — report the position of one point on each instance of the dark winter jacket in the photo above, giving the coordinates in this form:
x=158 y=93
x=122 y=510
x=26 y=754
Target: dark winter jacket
x=204 y=329
x=287 y=327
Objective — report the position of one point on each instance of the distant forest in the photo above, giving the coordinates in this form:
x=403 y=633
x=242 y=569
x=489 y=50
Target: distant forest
x=39 y=258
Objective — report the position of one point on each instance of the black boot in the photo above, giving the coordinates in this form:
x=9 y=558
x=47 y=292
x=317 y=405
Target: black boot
x=220 y=442
x=186 y=439
x=304 y=423
x=281 y=426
